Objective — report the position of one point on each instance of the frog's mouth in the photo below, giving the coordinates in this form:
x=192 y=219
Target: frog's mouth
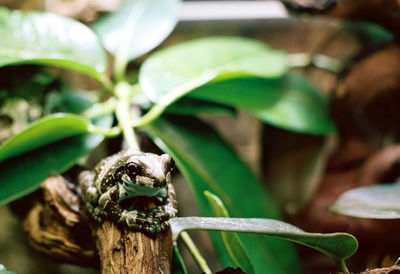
x=139 y=180
x=142 y=186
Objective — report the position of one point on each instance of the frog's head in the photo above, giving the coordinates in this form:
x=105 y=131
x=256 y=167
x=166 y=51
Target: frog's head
x=146 y=169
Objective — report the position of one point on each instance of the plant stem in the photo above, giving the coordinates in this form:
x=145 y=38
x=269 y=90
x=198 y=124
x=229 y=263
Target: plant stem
x=201 y=262
x=123 y=113
x=99 y=109
x=342 y=266
x=171 y=97
x=106 y=83
x=112 y=132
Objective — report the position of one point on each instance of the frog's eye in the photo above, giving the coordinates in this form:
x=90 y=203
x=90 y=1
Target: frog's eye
x=168 y=162
x=133 y=168
x=171 y=164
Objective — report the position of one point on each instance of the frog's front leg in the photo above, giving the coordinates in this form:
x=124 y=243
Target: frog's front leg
x=108 y=202
x=90 y=193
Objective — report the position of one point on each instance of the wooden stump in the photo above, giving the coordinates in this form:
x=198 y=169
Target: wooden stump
x=124 y=251
x=59 y=226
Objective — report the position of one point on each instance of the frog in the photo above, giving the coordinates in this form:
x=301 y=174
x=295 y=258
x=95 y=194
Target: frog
x=114 y=186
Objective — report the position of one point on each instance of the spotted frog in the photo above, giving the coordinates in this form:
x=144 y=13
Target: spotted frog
x=112 y=189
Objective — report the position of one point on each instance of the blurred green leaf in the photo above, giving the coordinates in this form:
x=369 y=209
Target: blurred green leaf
x=69 y=101
x=375 y=202
x=23 y=174
x=369 y=33
x=231 y=241
x=177 y=264
x=44 y=131
x=289 y=102
x=141 y=24
x=339 y=246
x=3 y=270
x=209 y=164
x=48 y=39
x=190 y=106
x=173 y=72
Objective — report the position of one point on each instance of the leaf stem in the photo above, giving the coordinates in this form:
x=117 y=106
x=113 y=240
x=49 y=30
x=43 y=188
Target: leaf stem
x=106 y=83
x=123 y=113
x=342 y=266
x=201 y=262
x=171 y=97
x=112 y=132
x=99 y=109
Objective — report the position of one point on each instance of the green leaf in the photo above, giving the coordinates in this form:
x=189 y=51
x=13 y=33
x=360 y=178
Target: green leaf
x=177 y=264
x=44 y=131
x=69 y=101
x=231 y=241
x=141 y=24
x=369 y=33
x=209 y=164
x=375 y=202
x=339 y=246
x=48 y=39
x=23 y=174
x=3 y=270
x=190 y=106
x=175 y=71
x=289 y=102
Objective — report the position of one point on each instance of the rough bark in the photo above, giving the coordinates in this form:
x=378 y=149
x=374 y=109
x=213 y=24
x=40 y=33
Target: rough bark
x=124 y=251
x=55 y=227
x=60 y=227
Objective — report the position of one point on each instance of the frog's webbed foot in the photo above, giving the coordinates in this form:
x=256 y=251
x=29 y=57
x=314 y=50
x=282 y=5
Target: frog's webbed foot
x=144 y=222
x=164 y=212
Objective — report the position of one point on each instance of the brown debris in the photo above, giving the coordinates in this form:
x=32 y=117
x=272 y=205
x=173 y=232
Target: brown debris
x=387 y=270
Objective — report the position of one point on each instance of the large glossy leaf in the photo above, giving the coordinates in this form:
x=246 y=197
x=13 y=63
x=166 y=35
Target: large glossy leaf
x=288 y=102
x=140 y=25
x=231 y=241
x=44 y=131
x=190 y=106
x=376 y=202
x=209 y=164
x=171 y=73
x=23 y=174
x=336 y=245
x=48 y=39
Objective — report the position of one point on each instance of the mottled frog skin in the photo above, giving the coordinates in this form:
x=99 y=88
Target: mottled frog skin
x=129 y=175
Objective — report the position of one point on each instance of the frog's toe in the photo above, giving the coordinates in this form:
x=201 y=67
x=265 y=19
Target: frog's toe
x=136 y=217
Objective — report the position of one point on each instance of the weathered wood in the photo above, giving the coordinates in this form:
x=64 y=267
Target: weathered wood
x=59 y=226
x=124 y=251
x=56 y=228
